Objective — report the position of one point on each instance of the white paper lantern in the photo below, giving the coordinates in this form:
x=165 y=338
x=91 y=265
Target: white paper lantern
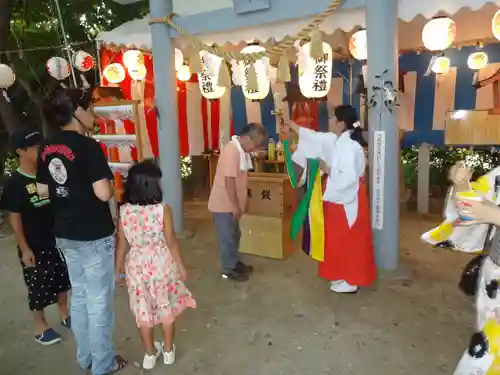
x=138 y=72
x=7 y=76
x=441 y=65
x=179 y=59
x=209 y=77
x=495 y=25
x=316 y=77
x=439 y=33
x=358 y=45
x=477 y=60
x=114 y=73
x=82 y=61
x=132 y=58
x=59 y=68
x=184 y=73
x=262 y=70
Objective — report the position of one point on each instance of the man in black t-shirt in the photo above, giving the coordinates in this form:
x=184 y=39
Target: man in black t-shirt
x=30 y=216
x=74 y=173
x=69 y=164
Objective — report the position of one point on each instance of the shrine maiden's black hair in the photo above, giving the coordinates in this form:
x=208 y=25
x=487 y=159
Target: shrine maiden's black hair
x=349 y=116
x=61 y=105
x=143 y=184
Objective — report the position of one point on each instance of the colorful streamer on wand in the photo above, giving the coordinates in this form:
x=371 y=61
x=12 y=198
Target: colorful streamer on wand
x=309 y=214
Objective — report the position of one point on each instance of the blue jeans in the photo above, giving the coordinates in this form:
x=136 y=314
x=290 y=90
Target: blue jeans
x=91 y=266
x=229 y=234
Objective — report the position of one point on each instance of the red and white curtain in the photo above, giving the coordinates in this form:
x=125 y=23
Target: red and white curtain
x=202 y=123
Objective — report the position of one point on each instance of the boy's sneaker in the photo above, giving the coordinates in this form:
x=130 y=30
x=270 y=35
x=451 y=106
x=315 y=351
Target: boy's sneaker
x=169 y=357
x=243 y=268
x=149 y=361
x=49 y=337
x=66 y=322
x=235 y=275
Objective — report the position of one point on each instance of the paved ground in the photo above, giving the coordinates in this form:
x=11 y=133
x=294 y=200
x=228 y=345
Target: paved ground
x=282 y=322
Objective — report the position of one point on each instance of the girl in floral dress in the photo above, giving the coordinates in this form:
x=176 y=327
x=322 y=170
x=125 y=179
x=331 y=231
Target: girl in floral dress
x=149 y=254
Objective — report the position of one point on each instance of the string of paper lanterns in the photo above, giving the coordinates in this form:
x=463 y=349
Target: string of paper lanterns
x=83 y=62
x=133 y=64
x=256 y=74
x=60 y=69
x=437 y=35
x=57 y=67
x=184 y=73
x=358 y=45
x=7 y=76
x=441 y=65
x=208 y=77
x=114 y=73
x=314 y=74
x=477 y=60
x=255 y=83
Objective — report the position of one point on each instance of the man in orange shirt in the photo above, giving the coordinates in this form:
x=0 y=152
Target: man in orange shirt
x=228 y=198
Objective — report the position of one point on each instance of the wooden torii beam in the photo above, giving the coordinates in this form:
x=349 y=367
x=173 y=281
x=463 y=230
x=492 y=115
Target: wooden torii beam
x=495 y=81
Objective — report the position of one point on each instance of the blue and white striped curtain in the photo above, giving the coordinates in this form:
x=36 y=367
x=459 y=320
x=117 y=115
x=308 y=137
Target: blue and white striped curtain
x=424 y=102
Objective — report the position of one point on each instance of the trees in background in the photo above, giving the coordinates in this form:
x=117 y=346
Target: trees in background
x=33 y=25
x=481 y=160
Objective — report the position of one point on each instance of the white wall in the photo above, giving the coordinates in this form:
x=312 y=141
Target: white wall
x=187 y=7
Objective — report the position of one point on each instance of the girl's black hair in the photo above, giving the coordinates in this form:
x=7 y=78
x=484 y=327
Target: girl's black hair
x=60 y=105
x=349 y=116
x=143 y=184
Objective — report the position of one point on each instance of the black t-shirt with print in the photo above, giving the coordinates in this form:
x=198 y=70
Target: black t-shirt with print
x=69 y=164
x=20 y=197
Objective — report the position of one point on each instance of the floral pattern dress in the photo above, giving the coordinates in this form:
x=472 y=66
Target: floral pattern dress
x=157 y=295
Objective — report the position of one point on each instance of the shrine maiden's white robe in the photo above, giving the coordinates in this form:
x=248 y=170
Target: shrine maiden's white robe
x=348 y=238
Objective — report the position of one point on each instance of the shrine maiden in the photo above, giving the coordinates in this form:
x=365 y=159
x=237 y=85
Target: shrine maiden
x=348 y=260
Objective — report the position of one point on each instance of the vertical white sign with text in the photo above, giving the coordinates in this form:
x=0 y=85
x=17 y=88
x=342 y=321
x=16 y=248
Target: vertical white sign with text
x=378 y=176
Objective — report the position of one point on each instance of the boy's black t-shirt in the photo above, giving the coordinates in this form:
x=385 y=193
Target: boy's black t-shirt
x=69 y=164
x=20 y=197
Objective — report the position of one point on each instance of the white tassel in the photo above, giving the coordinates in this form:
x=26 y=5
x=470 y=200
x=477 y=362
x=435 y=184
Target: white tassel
x=302 y=60
x=475 y=78
x=272 y=73
x=297 y=46
x=63 y=85
x=6 y=96
x=237 y=73
x=85 y=83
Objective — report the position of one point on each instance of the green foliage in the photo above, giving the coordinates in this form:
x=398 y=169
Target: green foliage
x=35 y=24
x=11 y=163
x=481 y=161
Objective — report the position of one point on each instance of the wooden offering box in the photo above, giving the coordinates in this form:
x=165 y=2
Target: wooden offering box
x=265 y=228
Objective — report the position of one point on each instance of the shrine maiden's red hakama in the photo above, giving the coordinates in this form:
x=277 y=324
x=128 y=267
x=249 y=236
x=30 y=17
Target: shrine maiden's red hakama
x=349 y=251
x=348 y=258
